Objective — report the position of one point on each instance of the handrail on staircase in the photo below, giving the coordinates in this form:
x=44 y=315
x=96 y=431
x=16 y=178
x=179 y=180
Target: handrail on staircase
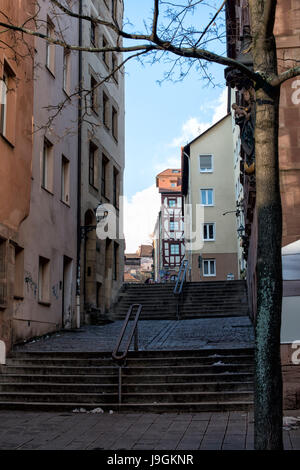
x=115 y=354
x=181 y=277
x=121 y=358
x=179 y=284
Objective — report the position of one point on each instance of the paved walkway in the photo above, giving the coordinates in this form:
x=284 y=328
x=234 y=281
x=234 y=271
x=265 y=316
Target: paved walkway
x=229 y=332
x=82 y=431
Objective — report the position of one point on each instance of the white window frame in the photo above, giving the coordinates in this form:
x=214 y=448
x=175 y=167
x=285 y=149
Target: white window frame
x=207 y=231
x=209 y=270
x=212 y=163
x=172 y=245
x=213 y=196
x=173 y=228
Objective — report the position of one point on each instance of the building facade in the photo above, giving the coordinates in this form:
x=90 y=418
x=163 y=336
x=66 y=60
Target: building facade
x=169 y=230
x=101 y=158
x=210 y=204
x=288 y=49
x=49 y=234
x=16 y=142
x=139 y=266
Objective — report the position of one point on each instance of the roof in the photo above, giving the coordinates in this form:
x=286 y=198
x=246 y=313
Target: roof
x=129 y=278
x=145 y=251
x=169 y=180
x=208 y=130
x=131 y=255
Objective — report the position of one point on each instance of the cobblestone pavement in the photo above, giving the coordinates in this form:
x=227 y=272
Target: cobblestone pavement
x=167 y=431
x=154 y=334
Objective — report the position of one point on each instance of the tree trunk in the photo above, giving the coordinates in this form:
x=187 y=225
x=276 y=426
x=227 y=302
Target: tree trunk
x=268 y=376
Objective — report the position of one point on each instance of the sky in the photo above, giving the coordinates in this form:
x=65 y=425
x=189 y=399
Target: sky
x=159 y=119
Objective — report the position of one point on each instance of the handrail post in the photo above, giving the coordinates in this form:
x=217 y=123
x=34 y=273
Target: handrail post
x=120 y=386
x=136 y=338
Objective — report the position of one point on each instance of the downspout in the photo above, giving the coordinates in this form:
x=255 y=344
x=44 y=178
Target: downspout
x=78 y=273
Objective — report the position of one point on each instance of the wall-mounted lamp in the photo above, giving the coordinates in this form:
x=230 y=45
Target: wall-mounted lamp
x=240 y=230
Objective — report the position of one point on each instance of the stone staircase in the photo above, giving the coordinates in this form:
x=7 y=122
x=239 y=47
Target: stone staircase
x=153 y=381
x=198 y=300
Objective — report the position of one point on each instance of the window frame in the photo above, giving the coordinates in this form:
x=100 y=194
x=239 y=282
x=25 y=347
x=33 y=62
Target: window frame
x=47 y=166
x=50 y=47
x=172 y=245
x=65 y=180
x=211 y=170
x=93 y=167
x=210 y=260
x=213 y=197
x=207 y=231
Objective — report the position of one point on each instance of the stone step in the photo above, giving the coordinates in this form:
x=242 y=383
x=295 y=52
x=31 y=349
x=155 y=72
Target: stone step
x=225 y=377
x=203 y=352
x=107 y=397
x=182 y=407
x=131 y=362
x=83 y=388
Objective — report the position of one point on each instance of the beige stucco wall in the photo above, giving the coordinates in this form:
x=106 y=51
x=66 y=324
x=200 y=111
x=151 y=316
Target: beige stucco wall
x=218 y=142
x=50 y=230
x=100 y=261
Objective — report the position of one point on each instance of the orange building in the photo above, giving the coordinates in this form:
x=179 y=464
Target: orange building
x=16 y=141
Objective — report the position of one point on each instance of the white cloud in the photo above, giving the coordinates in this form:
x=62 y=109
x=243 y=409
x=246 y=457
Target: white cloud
x=140 y=214
x=194 y=127
x=221 y=108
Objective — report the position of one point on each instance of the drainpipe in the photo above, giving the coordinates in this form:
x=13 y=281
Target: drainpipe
x=78 y=274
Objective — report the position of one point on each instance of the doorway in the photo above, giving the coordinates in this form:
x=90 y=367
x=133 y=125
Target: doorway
x=67 y=293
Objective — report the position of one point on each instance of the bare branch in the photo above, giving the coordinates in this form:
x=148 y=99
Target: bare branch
x=284 y=76
x=210 y=23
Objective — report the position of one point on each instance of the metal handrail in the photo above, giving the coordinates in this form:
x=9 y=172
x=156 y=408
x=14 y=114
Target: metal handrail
x=121 y=357
x=181 y=277
x=179 y=284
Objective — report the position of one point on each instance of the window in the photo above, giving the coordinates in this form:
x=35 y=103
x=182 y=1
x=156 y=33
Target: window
x=207 y=197
x=208 y=232
x=3 y=292
x=104 y=175
x=47 y=166
x=93 y=34
x=175 y=171
x=19 y=273
x=92 y=164
x=105 y=110
x=116 y=261
x=209 y=267
x=114 y=64
x=174 y=249
x=65 y=180
x=116 y=188
x=173 y=185
x=115 y=123
x=105 y=55
x=93 y=94
x=172 y=202
x=173 y=226
x=50 y=48
x=8 y=103
x=114 y=9
x=66 y=71
x=44 y=280
x=206 y=164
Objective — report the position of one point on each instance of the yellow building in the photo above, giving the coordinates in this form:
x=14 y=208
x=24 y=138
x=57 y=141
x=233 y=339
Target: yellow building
x=209 y=193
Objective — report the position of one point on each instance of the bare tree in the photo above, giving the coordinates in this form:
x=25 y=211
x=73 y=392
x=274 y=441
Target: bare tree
x=171 y=35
